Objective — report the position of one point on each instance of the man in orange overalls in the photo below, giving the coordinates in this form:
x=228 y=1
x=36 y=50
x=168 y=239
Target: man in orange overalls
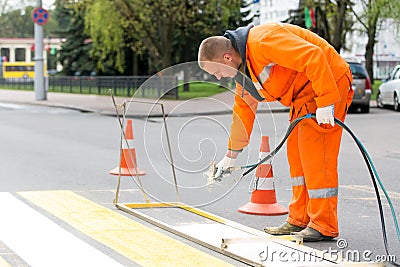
x=285 y=63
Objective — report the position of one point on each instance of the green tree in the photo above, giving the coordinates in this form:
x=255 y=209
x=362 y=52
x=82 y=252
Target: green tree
x=342 y=22
x=140 y=25
x=200 y=19
x=154 y=27
x=332 y=19
x=17 y=23
x=9 y=5
x=371 y=17
x=75 y=51
x=3 y=6
x=103 y=25
x=51 y=29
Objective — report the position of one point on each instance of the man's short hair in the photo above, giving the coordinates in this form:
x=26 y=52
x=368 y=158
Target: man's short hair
x=212 y=48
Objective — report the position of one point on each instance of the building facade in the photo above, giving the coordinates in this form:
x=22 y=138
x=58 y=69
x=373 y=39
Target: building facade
x=22 y=49
x=386 y=50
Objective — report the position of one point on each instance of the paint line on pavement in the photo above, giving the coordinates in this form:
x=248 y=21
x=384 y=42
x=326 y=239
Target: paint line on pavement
x=369 y=189
x=135 y=241
x=41 y=242
x=3 y=263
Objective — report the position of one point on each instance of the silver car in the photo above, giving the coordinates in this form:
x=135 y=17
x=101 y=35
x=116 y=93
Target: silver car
x=361 y=86
x=389 y=91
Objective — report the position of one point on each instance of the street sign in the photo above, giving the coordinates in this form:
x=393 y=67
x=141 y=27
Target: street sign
x=40 y=16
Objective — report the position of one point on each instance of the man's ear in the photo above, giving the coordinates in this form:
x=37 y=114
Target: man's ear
x=228 y=57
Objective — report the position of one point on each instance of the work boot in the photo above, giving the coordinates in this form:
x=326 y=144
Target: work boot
x=283 y=229
x=311 y=235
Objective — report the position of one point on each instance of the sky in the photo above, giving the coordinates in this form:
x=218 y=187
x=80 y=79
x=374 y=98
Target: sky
x=48 y=4
x=17 y=4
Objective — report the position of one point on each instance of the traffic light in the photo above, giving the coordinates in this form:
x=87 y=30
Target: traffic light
x=53 y=51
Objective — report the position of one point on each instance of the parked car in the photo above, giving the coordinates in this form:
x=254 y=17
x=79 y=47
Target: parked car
x=362 y=87
x=389 y=91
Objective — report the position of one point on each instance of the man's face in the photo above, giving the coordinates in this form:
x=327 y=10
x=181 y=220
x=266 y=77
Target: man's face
x=221 y=69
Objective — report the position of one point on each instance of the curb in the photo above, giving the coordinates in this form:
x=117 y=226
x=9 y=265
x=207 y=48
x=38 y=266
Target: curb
x=181 y=115
x=84 y=110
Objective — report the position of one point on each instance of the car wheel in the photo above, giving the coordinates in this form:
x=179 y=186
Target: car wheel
x=396 y=103
x=364 y=109
x=379 y=101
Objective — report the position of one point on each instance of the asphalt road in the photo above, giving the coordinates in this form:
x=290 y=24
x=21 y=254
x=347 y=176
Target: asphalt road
x=59 y=149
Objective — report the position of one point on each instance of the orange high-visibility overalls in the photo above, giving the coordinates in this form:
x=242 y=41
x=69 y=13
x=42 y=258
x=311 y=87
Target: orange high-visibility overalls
x=299 y=69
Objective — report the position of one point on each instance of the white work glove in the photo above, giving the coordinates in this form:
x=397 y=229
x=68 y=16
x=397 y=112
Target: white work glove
x=325 y=115
x=224 y=164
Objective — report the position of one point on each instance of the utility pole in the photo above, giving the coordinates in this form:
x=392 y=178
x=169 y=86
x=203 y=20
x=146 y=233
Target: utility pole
x=40 y=90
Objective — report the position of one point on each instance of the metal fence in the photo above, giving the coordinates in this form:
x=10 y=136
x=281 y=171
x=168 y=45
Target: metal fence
x=140 y=86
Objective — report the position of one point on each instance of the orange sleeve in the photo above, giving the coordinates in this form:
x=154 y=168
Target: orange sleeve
x=289 y=50
x=244 y=112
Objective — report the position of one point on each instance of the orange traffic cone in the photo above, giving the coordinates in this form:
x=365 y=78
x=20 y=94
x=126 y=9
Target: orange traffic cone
x=128 y=162
x=263 y=198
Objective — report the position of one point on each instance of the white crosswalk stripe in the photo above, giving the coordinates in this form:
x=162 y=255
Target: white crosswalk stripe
x=41 y=242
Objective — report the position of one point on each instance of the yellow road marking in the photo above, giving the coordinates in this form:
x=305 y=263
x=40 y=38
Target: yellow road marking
x=3 y=263
x=135 y=241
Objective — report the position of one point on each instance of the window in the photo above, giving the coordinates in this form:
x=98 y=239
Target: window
x=393 y=73
x=20 y=54
x=397 y=74
x=5 y=53
x=358 y=71
x=20 y=68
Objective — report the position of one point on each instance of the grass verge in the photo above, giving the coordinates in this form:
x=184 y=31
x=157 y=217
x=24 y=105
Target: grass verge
x=375 y=87
x=200 y=89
